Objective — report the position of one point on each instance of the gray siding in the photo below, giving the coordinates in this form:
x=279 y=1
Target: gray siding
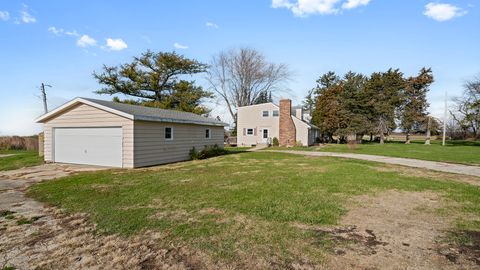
x=84 y=115
x=151 y=147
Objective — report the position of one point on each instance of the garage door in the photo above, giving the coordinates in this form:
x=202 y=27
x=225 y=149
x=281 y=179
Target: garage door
x=92 y=146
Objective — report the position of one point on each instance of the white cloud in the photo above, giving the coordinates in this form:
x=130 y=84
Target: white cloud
x=26 y=17
x=116 y=44
x=180 y=46
x=85 y=41
x=72 y=33
x=443 y=12
x=55 y=31
x=60 y=32
x=4 y=15
x=302 y=8
x=350 y=4
x=211 y=25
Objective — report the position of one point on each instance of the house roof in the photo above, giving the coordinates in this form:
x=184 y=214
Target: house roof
x=135 y=112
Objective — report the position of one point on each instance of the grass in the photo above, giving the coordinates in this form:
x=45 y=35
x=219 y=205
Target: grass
x=461 y=152
x=19 y=159
x=240 y=208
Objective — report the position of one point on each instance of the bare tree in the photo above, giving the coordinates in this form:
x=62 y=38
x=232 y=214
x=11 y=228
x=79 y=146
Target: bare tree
x=467 y=109
x=240 y=76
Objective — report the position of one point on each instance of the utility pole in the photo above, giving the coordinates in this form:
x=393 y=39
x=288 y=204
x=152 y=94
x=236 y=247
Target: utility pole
x=44 y=96
x=445 y=120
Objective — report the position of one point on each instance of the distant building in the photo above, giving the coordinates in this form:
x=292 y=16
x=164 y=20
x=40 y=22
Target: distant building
x=259 y=124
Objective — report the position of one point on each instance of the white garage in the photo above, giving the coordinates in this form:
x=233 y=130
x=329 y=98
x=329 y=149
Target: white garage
x=93 y=146
x=106 y=133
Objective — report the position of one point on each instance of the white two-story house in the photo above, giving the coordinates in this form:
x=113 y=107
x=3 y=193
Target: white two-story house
x=259 y=124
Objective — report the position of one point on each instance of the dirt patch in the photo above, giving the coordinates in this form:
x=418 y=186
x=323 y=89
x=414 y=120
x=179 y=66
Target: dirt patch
x=69 y=242
x=415 y=172
x=461 y=244
x=366 y=242
x=390 y=231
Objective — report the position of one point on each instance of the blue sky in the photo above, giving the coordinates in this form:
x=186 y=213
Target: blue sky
x=63 y=42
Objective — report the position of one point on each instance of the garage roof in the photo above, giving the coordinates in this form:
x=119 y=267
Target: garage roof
x=136 y=112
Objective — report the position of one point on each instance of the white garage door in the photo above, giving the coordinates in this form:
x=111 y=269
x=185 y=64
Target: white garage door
x=93 y=146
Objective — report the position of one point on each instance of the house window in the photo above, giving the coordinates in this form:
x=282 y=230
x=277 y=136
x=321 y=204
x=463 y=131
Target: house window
x=250 y=131
x=207 y=133
x=168 y=133
x=275 y=113
x=265 y=113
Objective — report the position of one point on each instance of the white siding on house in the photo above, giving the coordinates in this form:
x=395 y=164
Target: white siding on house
x=252 y=117
x=151 y=147
x=302 y=130
x=83 y=115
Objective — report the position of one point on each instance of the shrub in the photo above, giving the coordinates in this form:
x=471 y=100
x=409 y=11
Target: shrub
x=299 y=144
x=193 y=153
x=207 y=152
x=275 y=141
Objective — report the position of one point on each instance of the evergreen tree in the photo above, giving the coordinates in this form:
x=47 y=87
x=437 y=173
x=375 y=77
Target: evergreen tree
x=413 y=110
x=154 y=78
x=353 y=103
x=325 y=99
x=383 y=91
x=263 y=97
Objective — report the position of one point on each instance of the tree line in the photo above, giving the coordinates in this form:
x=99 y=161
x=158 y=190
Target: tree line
x=357 y=105
x=342 y=106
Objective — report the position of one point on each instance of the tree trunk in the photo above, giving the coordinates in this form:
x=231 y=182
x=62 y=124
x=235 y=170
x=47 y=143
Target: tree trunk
x=408 y=137
x=371 y=137
x=382 y=138
x=429 y=123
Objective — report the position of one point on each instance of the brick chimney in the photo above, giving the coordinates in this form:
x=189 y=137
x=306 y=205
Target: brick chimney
x=286 y=126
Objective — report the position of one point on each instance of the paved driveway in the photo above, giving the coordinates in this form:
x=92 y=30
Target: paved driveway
x=416 y=163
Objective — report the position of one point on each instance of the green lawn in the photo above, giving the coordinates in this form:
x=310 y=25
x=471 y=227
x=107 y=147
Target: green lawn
x=239 y=208
x=455 y=151
x=20 y=159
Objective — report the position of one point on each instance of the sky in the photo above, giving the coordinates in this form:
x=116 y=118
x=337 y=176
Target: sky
x=61 y=43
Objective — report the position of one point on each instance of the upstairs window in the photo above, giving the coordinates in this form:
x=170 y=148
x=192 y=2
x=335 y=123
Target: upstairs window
x=275 y=113
x=265 y=113
x=207 y=133
x=168 y=133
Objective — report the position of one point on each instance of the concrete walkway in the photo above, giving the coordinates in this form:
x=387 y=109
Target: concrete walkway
x=416 y=163
x=258 y=147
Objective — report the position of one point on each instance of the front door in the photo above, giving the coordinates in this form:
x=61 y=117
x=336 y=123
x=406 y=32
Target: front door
x=265 y=135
